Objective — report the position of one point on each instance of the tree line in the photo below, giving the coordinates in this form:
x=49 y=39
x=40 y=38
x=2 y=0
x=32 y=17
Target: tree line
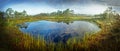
x=58 y=13
x=109 y=13
x=10 y=13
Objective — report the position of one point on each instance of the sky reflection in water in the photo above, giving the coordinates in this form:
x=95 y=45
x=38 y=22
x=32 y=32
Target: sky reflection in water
x=54 y=31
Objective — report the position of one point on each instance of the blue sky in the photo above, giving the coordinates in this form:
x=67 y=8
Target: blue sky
x=47 y=6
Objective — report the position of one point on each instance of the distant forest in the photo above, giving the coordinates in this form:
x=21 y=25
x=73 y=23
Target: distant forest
x=10 y=13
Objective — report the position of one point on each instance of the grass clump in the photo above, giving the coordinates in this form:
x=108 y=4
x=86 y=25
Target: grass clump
x=108 y=39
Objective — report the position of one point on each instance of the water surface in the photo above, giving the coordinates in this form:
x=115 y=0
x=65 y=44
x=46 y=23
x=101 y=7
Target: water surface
x=54 y=31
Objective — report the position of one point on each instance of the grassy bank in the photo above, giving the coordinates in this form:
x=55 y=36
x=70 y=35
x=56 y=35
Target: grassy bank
x=13 y=40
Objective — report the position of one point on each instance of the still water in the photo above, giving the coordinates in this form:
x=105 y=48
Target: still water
x=54 y=31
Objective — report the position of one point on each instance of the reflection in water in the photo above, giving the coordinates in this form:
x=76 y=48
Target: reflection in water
x=54 y=31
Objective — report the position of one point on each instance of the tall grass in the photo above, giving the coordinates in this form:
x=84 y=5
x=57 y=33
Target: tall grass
x=105 y=40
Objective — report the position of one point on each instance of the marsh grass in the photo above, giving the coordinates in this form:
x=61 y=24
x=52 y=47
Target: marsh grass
x=105 y=40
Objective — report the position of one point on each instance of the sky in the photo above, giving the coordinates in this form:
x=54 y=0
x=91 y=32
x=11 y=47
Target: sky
x=47 y=6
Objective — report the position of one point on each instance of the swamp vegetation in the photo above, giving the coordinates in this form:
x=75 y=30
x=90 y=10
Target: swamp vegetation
x=108 y=39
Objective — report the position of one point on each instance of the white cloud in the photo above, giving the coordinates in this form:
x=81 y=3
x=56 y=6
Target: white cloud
x=32 y=9
x=42 y=8
x=90 y=9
